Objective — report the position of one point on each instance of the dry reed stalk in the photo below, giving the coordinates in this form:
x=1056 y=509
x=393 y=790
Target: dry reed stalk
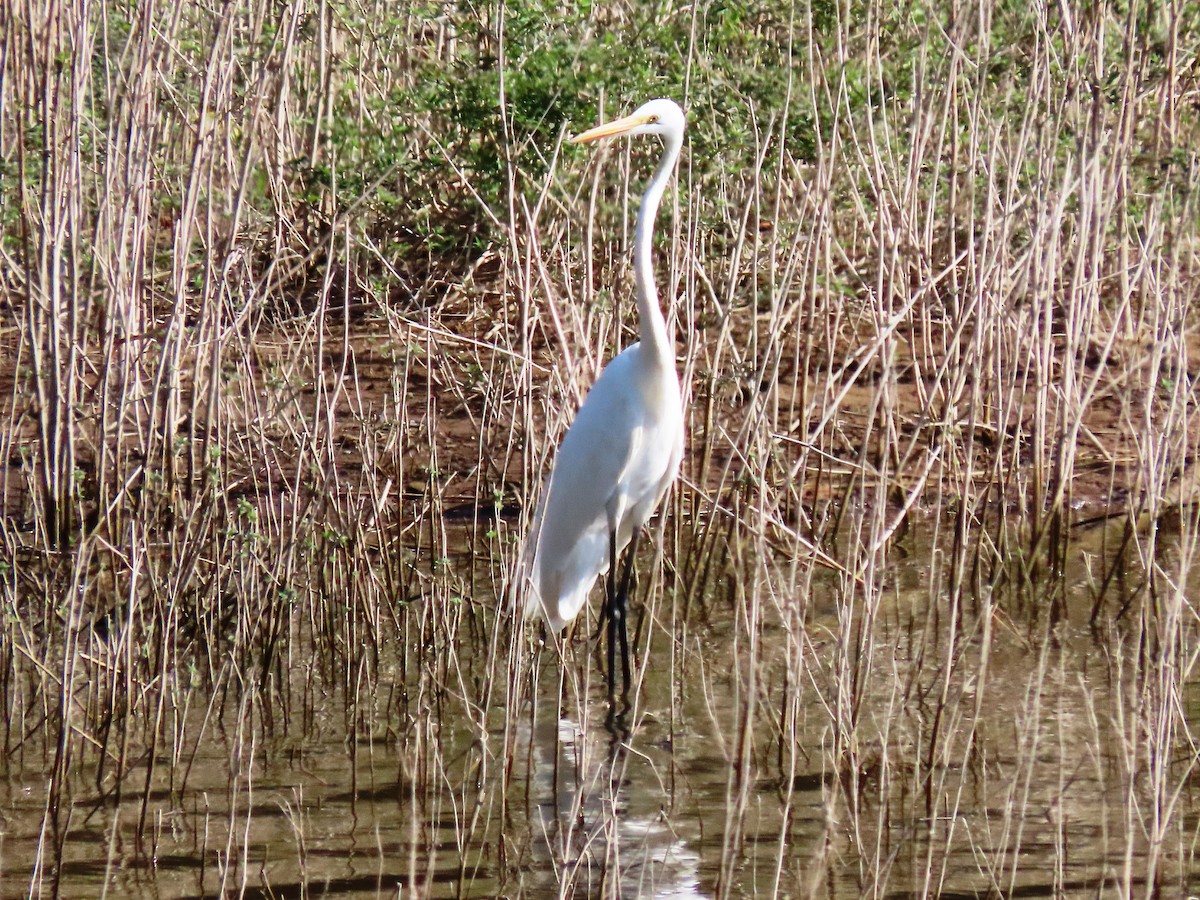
x=268 y=476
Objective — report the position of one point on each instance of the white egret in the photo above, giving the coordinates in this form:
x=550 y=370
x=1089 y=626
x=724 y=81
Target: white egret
x=624 y=448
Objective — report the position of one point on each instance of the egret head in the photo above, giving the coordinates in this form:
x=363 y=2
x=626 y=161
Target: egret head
x=660 y=117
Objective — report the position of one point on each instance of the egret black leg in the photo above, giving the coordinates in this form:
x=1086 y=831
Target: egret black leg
x=623 y=610
x=615 y=613
x=610 y=613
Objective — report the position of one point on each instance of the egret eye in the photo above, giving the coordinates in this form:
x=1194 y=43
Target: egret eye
x=653 y=119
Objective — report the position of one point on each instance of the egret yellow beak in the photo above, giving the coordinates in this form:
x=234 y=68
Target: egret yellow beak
x=611 y=129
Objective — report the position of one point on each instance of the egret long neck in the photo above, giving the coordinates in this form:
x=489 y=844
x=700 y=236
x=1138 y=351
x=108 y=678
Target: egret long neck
x=653 y=325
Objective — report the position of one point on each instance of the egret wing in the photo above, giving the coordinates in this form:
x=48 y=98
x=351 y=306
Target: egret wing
x=601 y=447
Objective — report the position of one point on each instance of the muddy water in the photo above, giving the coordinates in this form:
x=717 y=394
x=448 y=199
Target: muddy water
x=985 y=762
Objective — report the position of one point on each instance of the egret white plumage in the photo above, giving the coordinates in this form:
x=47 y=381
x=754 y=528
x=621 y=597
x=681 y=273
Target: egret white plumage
x=624 y=448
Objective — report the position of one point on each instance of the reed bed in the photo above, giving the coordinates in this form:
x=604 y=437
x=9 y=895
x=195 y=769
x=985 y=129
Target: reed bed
x=298 y=300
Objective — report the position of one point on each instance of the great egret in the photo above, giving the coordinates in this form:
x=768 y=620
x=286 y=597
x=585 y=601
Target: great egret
x=624 y=447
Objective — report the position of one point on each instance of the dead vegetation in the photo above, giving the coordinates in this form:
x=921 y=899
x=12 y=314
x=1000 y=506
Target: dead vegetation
x=281 y=368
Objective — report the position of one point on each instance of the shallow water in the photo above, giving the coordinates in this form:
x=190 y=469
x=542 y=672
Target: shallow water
x=991 y=763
